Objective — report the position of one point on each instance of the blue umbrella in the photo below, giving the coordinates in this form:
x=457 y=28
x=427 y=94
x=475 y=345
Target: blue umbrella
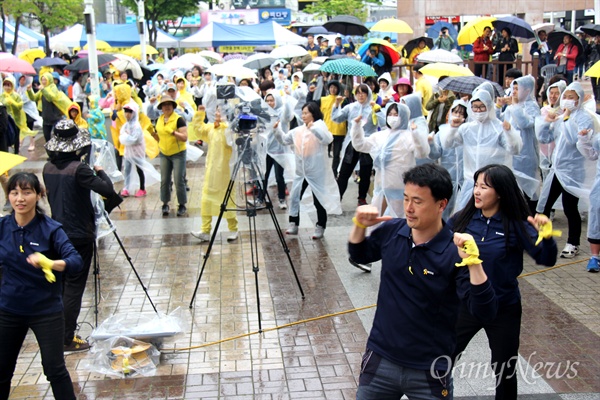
x=434 y=30
x=518 y=27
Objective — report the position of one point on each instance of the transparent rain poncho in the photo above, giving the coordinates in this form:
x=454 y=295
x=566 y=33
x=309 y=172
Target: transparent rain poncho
x=132 y=136
x=522 y=117
x=413 y=102
x=589 y=146
x=312 y=164
x=283 y=155
x=546 y=149
x=394 y=151
x=449 y=158
x=484 y=143
x=574 y=172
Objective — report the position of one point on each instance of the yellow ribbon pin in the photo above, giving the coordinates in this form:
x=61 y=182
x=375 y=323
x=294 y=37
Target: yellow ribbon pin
x=546 y=232
x=46 y=265
x=470 y=247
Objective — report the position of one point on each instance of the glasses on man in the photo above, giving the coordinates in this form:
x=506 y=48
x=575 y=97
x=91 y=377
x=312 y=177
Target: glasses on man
x=478 y=108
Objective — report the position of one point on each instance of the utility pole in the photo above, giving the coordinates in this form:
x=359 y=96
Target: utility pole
x=90 y=30
x=142 y=30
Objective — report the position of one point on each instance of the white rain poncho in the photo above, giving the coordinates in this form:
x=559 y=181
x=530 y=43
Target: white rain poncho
x=208 y=92
x=450 y=158
x=29 y=106
x=484 y=143
x=283 y=155
x=132 y=136
x=394 y=151
x=299 y=93
x=574 y=172
x=312 y=164
x=522 y=118
x=589 y=146
x=413 y=102
x=546 y=149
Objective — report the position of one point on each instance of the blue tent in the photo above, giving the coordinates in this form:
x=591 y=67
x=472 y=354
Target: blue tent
x=26 y=35
x=126 y=35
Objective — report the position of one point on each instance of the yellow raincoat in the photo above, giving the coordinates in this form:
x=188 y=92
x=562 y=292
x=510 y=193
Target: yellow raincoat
x=51 y=93
x=184 y=94
x=217 y=175
x=122 y=95
x=14 y=105
x=79 y=121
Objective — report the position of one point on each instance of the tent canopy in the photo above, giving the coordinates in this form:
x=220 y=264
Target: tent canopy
x=216 y=34
x=117 y=35
x=31 y=38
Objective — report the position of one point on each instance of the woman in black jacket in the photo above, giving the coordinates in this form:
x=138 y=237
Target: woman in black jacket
x=508 y=48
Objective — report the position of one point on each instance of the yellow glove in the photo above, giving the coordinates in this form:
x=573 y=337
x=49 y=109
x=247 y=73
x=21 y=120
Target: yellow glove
x=46 y=265
x=470 y=247
x=546 y=232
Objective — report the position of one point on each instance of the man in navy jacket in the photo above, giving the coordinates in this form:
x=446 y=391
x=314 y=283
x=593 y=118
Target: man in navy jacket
x=410 y=345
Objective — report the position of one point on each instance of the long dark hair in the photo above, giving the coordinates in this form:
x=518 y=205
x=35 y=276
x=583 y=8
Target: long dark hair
x=27 y=180
x=513 y=206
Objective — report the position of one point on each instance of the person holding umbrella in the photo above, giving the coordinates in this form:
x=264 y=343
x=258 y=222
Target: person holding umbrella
x=592 y=55
x=444 y=40
x=508 y=47
x=565 y=57
x=421 y=48
x=375 y=59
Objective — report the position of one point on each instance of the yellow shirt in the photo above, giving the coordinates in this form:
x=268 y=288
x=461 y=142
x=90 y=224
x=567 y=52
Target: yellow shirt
x=168 y=142
x=336 y=129
x=423 y=86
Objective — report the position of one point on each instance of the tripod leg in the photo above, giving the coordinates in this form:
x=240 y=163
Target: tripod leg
x=97 y=290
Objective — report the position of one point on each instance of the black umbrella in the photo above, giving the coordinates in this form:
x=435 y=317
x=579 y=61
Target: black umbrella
x=412 y=44
x=466 y=84
x=346 y=25
x=555 y=39
x=83 y=64
x=518 y=27
x=591 y=29
x=48 y=62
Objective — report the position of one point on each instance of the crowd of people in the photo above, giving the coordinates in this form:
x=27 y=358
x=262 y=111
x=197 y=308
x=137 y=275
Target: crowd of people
x=480 y=170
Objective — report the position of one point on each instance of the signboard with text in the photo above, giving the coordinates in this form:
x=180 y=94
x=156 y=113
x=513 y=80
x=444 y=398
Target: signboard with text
x=283 y=16
x=232 y=17
x=433 y=19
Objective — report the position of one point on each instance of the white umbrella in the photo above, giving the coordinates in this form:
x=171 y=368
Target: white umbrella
x=124 y=62
x=211 y=55
x=312 y=67
x=259 y=60
x=235 y=70
x=439 y=55
x=320 y=59
x=195 y=59
x=178 y=63
x=289 y=51
x=60 y=47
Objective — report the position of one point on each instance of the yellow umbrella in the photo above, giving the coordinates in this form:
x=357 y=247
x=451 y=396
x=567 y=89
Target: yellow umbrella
x=594 y=71
x=443 y=69
x=9 y=160
x=392 y=25
x=136 y=51
x=100 y=45
x=31 y=55
x=472 y=30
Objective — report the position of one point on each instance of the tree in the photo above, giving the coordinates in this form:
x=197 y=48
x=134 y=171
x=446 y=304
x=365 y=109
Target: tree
x=331 y=8
x=158 y=12
x=15 y=9
x=55 y=14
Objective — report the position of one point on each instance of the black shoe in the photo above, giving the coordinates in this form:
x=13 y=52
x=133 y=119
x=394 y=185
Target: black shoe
x=78 y=344
x=362 y=267
x=181 y=211
x=187 y=188
x=165 y=210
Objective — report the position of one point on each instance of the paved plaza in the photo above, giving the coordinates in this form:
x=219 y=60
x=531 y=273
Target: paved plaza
x=316 y=359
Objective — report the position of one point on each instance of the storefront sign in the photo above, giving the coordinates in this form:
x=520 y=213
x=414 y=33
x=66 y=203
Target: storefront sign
x=283 y=16
x=236 y=49
x=232 y=17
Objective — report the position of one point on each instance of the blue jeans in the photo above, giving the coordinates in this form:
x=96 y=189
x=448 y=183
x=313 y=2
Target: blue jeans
x=381 y=379
x=173 y=165
x=49 y=332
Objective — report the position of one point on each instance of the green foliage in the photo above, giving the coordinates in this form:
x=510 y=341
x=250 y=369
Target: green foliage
x=158 y=12
x=331 y=8
x=54 y=14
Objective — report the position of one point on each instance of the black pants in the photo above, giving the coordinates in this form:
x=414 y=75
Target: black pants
x=501 y=69
x=278 y=177
x=338 y=142
x=48 y=331
x=503 y=335
x=351 y=158
x=321 y=213
x=571 y=208
x=595 y=88
x=73 y=288
x=479 y=70
x=47 y=129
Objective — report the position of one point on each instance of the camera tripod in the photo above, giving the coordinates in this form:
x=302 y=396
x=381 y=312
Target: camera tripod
x=97 y=271
x=247 y=160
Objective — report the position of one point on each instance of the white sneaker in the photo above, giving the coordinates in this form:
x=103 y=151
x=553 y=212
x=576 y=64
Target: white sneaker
x=232 y=236
x=204 y=237
x=292 y=229
x=282 y=204
x=319 y=231
x=569 y=251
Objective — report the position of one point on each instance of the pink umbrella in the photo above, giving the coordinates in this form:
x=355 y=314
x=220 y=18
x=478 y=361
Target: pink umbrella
x=10 y=63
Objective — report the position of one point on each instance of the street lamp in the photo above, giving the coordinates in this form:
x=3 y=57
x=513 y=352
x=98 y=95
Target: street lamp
x=90 y=30
x=142 y=30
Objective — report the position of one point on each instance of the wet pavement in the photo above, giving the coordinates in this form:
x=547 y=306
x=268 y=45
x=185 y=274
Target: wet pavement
x=316 y=359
